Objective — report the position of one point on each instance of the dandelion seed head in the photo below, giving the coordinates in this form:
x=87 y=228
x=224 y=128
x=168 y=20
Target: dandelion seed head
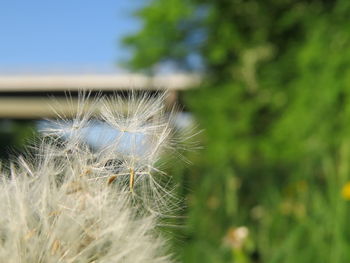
x=70 y=203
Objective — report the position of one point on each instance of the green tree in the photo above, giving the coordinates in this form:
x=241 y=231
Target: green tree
x=275 y=108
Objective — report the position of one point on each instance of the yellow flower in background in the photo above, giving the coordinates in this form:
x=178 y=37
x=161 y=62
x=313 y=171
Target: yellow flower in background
x=345 y=192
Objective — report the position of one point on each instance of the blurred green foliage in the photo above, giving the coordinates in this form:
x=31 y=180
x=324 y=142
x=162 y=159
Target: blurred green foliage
x=14 y=135
x=276 y=112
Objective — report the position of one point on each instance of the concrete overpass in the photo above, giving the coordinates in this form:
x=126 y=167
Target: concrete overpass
x=28 y=96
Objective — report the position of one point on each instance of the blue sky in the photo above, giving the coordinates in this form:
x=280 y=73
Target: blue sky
x=64 y=36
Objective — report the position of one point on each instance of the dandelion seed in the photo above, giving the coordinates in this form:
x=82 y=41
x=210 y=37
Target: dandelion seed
x=132 y=179
x=111 y=179
x=64 y=211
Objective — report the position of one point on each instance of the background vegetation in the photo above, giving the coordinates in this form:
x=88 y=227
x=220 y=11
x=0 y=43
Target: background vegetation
x=275 y=108
x=14 y=135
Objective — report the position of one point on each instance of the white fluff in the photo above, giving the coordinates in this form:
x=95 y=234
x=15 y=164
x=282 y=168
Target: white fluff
x=69 y=204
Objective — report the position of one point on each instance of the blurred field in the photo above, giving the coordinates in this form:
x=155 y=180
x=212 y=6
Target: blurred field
x=272 y=184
